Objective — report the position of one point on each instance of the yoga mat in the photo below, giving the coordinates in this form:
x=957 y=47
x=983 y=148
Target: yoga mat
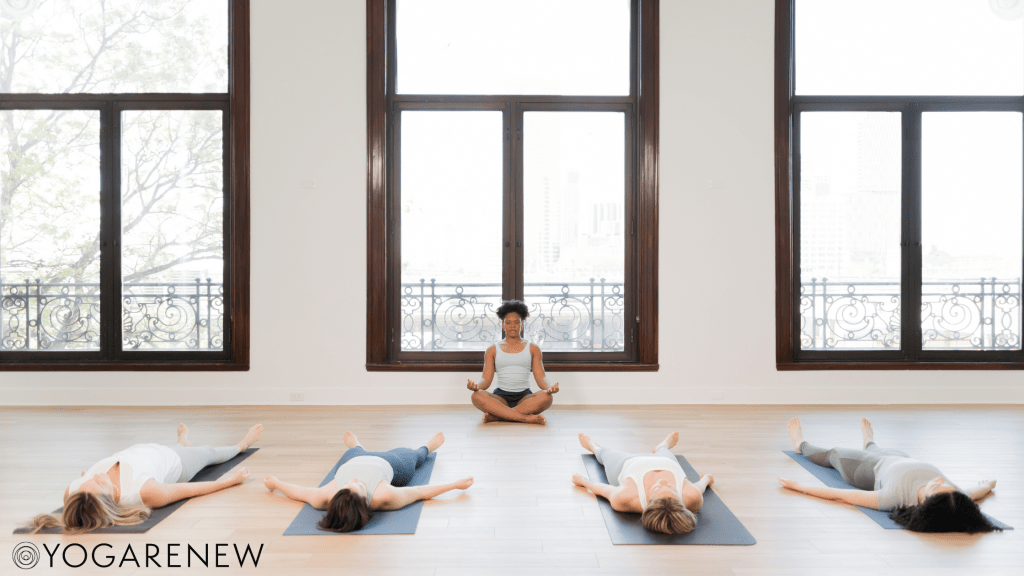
x=716 y=524
x=401 y=521
x=206 y=474
x=833 y=479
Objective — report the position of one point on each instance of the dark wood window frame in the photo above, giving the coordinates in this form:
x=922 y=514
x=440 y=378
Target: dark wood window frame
x=381 y=234
x=236 y=107
x=788 y=107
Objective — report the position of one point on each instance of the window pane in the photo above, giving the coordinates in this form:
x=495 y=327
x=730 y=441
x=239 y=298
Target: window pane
x=49 y=230
x=971 y=209
x=451 y=240
x=574 y=219
x=557 y=47
x=850 y=169
x=80 y=46
x=909 y=47
x=172 y=230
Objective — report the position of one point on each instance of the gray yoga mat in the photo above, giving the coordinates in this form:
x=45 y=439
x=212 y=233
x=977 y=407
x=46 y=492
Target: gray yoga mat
x=833 y=479
x=401 y=521
x=716 y=524
x=206 y=474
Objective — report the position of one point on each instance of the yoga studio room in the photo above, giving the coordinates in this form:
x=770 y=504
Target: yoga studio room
x=512 y=287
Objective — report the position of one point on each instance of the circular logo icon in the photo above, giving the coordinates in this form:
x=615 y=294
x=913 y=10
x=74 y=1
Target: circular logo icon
x=26 y=555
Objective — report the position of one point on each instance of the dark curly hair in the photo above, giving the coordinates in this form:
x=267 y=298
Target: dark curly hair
x=947 y=512
x=347 y=511
x=513 y=306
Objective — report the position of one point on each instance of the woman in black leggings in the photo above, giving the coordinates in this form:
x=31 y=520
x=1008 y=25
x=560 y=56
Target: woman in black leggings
x=915 y=493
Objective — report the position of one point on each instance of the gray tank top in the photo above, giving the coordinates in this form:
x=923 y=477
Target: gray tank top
x=512 y=371
x=370 y=470
x=898 y=479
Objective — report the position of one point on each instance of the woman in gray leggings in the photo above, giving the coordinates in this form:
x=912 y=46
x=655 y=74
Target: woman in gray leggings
x=122 y=489
x=916 y=493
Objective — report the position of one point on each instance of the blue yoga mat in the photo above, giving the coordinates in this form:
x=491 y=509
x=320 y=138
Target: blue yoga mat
x=205 y=475
x=830 y=477
x=402 y=521
x=716 y=524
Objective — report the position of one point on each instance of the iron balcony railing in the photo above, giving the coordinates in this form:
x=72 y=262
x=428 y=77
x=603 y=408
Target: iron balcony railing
x=564 y=316
x=155 y=316
x=968 y=314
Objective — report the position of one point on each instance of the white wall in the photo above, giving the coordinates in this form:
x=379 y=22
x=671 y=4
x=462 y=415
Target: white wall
x=308 y=122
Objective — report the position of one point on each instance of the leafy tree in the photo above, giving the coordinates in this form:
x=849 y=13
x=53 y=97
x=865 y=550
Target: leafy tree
x=172 y=161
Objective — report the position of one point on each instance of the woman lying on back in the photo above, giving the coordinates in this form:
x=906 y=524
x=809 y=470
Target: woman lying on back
x=122 y=489
x=368 y=481
x=652 y=485
x=915 y=493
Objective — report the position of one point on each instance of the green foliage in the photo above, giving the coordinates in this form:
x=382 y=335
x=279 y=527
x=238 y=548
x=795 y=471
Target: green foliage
x=172 y=165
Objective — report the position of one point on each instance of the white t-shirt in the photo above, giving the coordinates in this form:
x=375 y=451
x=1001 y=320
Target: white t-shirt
x=138 y=464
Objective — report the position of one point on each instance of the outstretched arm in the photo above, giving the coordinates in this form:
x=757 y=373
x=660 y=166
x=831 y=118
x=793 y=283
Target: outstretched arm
x=613 y=494
x=538 y=371
x=865 y=498
x=981 y=490
x=705 y=481
x=396 y=498
x=155 y=494
x=488 y=376
x=315 y=497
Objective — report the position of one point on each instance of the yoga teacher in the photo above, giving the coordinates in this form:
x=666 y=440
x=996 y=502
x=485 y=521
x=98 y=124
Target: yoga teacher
x=510 y=362
x=652 y=485
x=915 y=493
x=368 y=481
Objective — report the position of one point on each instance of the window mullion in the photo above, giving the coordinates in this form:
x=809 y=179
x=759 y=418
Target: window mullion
x=516 y=216
x=911 y=235
x=110 y=154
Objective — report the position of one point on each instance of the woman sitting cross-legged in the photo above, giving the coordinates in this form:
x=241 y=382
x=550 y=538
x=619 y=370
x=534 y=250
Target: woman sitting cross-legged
x=368 y=481
x=653 y=485
x=511 y=362
x=122 y=489
x=915 y=493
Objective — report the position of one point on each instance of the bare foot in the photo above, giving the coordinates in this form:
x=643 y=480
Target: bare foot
x=536 y=419
x=435 y=441
x=796 y=434
x=867 y=431
x=254 y=434
x=669 y=441
x=488 y=419
x=350 y=440
x=183 y=435
x=464 y=484
x=587 y=443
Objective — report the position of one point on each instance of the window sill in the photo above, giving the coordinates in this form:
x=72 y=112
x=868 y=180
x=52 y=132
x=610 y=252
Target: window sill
x=479 y=366
x=126 y=367
x=803 y=366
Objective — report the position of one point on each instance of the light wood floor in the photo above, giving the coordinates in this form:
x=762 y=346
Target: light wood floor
x=523 y=515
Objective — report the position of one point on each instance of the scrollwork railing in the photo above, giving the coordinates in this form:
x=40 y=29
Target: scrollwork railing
x=982 y=314
x=567 y=317
x=155 y=315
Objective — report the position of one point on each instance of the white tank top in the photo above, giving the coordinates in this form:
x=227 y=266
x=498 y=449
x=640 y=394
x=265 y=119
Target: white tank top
x=638 y=466
x=512 y=371
x=138 y=464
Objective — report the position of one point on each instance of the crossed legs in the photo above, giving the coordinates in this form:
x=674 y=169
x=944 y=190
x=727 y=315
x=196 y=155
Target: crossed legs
x=496 y=409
